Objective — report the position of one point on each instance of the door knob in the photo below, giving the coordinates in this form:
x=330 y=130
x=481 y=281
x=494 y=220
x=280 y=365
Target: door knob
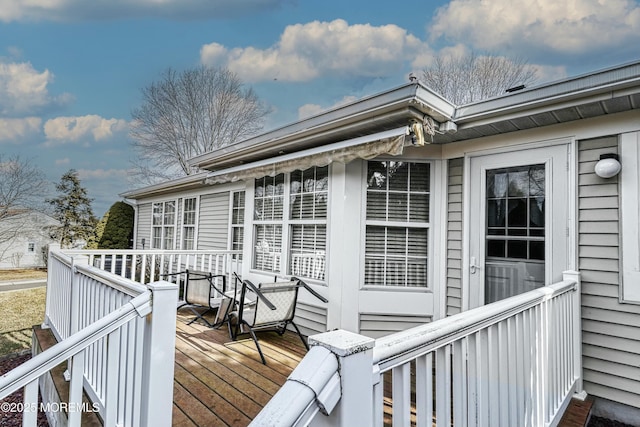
x=472 y=265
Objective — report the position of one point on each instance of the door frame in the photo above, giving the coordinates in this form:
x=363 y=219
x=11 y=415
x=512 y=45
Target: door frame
x=468 y=301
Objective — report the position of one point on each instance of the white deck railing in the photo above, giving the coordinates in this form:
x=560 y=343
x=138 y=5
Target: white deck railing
x=145 y=266
x=113 y=333
x=516 y=362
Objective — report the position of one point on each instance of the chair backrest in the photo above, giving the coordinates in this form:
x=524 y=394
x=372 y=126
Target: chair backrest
x=283 y=295
x=198 y=288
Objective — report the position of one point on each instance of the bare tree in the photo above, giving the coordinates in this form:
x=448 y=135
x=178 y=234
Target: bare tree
x=470 y=77
x=190 y=113
x=22 y=190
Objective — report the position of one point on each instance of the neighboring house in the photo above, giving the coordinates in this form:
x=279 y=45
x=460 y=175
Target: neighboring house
x=24 y=236
x=402 y=208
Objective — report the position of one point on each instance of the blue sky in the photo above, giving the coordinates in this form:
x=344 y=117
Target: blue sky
x=71 y=70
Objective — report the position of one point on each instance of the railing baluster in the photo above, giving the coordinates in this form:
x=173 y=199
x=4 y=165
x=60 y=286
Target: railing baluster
x=30 y=410
x=459 y=382
x=75 y=388
x=424 y=390
x=401 y=395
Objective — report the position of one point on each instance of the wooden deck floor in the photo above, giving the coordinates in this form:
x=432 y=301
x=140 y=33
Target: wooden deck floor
x=219 y=382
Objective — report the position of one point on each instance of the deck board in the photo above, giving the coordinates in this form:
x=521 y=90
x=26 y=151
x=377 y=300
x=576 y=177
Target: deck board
x=220 y=382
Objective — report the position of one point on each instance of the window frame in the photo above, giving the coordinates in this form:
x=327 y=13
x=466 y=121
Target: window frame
x=233 y=227
x=432 y=235
x=286 y=223
x=163 y=227
x=194 y=226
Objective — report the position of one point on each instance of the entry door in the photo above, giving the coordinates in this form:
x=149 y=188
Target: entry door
x=519 y=222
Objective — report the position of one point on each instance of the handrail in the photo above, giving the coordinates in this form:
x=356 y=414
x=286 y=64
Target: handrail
x=312 y=387
x=120 y=283
x=64 y=350
x=399 y=347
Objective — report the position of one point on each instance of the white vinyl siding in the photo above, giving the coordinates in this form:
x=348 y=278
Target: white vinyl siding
x=213 y=221
x=610 y=329
x=454 y=237
x=144 y=226
x=378 y=325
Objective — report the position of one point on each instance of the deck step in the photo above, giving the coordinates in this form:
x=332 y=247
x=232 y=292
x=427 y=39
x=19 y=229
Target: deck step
x=577 y=414
x=53 y=386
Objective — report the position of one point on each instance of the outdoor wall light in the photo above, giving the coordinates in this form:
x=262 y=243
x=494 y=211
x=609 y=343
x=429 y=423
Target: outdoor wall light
x=608 y=166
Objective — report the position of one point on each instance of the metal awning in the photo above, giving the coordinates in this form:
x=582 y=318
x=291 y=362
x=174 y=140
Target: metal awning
x=389 y=142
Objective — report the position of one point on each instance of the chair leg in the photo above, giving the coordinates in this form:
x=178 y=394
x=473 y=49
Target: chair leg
x=199 y=316
x=300 y=335
x=255 y=339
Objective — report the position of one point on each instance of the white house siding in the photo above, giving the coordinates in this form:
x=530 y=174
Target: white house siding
x=311 y=319
x=611 y=330
x=454 y=236
x=379 y=325
x=144 y=226
x=213 y=227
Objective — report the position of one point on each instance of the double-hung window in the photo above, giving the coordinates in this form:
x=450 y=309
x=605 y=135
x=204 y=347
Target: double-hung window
x=237 y=222
x=290 y=237
x=309 y=191
x=397 y=223
x=268 y=217
x=163 y=225
x=189 y=210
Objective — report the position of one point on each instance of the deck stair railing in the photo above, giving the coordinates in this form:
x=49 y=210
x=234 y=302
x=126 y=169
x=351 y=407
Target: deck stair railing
x=515 y=362
x=114 y=341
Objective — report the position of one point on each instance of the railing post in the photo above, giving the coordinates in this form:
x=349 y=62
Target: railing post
x=355 y=361
x=158 y=356
x=53 y=247
x=75 y=292
x=577 y=332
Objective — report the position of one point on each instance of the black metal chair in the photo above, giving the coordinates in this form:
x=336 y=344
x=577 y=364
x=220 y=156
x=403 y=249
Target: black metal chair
x=273 y=309
x=202 y=296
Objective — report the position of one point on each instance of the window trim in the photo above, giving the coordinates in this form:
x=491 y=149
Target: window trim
x=434 y=217
x=629 y=185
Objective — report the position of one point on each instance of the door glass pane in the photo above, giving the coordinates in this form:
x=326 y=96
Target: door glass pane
x=515 y=231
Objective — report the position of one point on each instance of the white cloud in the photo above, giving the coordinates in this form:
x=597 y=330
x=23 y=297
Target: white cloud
x=17 y=129
x=63 y=162
x=75 y=10
x=309 y=110
x=63 y=130
x=572 y=26
x=307 y=51
x=23 y=89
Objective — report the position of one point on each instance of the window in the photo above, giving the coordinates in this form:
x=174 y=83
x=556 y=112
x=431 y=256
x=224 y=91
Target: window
x=309 y=191
x=237 y=222
x=31 y=247
x=268 y=215
x=189 y=223
x=397 y=223
x=299 y=226
x=163 y=223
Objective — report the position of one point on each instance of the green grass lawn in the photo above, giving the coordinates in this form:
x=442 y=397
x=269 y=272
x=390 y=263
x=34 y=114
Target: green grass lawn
x=20 y=311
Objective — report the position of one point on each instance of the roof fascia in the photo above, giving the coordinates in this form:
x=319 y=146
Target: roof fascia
x=597 y=86
x=409 y=100
x=182 y=183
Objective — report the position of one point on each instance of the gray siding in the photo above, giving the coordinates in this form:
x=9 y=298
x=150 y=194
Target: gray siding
x=379 y=325
x=213 y=226
x=454 y=237
x=611 y=330
x=144 y=226
x=311 y=319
